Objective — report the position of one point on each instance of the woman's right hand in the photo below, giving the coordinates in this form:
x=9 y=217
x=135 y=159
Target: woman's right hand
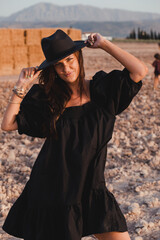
x=27 y=76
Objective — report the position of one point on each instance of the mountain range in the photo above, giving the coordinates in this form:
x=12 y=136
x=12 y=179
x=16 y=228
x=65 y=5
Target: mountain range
x=114 y=22
x=46 y=12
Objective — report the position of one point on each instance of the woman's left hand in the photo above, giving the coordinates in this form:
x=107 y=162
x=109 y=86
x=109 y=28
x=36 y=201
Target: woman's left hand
x=137 y=69
x=95 y=40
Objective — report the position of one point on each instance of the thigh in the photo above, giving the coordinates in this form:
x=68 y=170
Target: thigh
x=113 y=236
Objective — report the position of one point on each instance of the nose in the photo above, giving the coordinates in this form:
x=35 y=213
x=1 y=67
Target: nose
x=65 y=67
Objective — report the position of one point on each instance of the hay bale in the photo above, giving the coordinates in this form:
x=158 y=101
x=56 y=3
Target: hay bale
x=6 y=60
x=46 y=32
x=20 y=58
x=35 y=55
x=75 y=34
x=33 y=37
x=5 y=37
x=17 y=37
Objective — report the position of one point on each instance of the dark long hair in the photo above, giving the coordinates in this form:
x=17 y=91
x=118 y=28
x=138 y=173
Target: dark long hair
x=58 y=91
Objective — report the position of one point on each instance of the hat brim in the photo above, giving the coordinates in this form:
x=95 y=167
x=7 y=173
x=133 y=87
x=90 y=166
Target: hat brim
x=78 y=45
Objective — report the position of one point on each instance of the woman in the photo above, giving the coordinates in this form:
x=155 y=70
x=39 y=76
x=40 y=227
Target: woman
x=66 y=197
x=156 y=65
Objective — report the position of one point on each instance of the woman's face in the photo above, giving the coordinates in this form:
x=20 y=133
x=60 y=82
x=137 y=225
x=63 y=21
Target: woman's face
x=68 y=68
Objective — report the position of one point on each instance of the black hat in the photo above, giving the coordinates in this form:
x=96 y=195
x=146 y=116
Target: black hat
x=58 y=46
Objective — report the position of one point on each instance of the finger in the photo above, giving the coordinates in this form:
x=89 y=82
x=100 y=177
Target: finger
x=91 y=37
x=29 y=72
x=36 y=69
x=36 y=74
x=32 y=72
x=89 y=43
x=26 y=73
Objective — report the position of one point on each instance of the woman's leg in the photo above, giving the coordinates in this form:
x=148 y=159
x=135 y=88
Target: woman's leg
x=113 y=236
x=156 y=80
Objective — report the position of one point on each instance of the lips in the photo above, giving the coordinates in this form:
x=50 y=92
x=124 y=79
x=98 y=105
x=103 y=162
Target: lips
x=68 y=74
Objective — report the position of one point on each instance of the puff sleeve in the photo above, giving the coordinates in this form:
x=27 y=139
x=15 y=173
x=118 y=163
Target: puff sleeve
x=114 y=91
x=33 y=117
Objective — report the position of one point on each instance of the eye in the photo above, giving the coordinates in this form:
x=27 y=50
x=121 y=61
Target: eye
x=57 y=64
x=69 y=59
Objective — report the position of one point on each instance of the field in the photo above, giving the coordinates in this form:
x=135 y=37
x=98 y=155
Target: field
x=133 y=162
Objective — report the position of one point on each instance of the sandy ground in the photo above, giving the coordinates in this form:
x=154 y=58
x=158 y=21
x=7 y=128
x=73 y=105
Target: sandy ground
x=133 y=162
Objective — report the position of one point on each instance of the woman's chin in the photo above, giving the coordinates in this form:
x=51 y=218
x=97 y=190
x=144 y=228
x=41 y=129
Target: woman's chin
x=71 y=80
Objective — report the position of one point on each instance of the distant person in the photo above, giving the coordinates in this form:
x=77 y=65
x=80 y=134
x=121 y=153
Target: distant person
x=66 y=196
x=156 y=65
x=159 y=45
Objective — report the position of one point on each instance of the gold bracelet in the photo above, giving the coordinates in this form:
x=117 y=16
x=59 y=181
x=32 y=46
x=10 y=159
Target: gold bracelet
x=20 y=95
x=20 y=92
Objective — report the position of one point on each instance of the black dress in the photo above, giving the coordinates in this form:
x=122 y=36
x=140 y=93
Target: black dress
x=66 y=197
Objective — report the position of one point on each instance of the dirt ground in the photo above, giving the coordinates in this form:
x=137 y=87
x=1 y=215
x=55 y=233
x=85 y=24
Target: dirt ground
x=133 y=162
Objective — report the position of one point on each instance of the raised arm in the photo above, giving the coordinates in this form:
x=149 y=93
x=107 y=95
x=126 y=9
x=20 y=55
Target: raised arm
x=26 y=77
x=137 y=69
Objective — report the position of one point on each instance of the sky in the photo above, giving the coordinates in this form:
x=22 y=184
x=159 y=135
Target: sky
x=7 y=7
